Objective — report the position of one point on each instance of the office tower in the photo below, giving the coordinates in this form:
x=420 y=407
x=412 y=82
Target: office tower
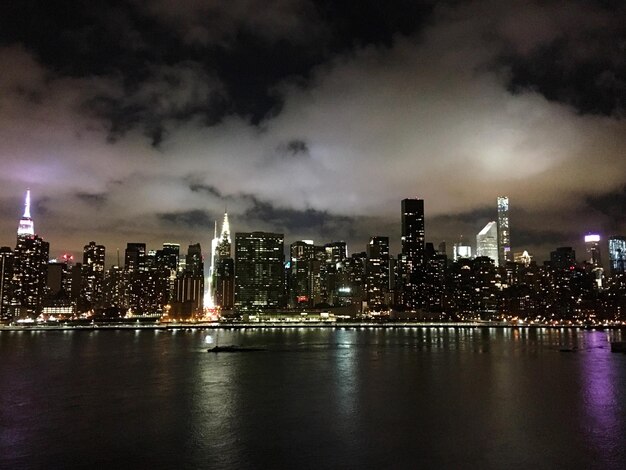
x=504 y=235
x=6 y=283
x=592 y=247
x=301 y=268
x=377 y=273
x=30 y=267
x=617 y=254
x=487 y=242
x=259 y=271
x=194 y=264
x=412 y=260
x=221 y=282
x=168 y=256
x=563 y=259
x=92 y=276
x=413 y=230
x=166 y=263
x=225 y=284
x=115 y=288
x=135 y=257
x=189 y=286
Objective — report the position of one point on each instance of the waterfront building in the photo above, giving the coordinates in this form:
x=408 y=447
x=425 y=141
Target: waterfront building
x=221 y=271
x=504 y=234
x=413 y=241
x=259 y=271
x=92 y=275
x=487 y=242
x=29 y=267
x=6 y=283
x=377 y=273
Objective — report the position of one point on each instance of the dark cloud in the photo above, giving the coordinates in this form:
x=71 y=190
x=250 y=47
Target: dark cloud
x=95 y=200
x=294 y=148
x=189 y=219
x=204 y=188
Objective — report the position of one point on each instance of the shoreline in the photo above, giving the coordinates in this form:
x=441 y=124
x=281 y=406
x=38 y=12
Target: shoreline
x=292 y=325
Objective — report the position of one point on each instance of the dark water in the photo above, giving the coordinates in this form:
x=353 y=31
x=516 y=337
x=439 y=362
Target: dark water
x=319 y=398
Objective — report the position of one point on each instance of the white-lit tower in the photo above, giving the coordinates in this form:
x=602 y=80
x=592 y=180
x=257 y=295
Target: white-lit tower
x=504 y=234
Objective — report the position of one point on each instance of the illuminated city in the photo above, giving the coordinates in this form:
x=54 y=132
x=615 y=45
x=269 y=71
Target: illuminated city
x=259 y=281
x=313 y=234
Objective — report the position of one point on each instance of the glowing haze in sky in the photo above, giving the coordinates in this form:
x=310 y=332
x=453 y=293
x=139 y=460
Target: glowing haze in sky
x=142 y=121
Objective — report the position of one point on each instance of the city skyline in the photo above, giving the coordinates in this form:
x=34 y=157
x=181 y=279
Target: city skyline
x=142 y=122
x=26 y=226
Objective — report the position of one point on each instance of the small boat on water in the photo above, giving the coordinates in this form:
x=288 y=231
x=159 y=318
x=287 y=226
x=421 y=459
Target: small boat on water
x=618 y=346
x=233 y=349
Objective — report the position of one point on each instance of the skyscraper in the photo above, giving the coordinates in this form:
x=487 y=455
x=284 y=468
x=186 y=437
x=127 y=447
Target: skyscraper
x=93 y=274
x=487 y=242
x=221 y=268
x=259 y=271
x=412 y=259
x=413 y=230
x=377 y=272
x=617 y=254
x=6 y=280
x=504 y=236
x=30 y=266
x=592 y=246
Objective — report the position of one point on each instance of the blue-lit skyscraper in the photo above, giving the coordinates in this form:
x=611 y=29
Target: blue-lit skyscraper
x=617 y=254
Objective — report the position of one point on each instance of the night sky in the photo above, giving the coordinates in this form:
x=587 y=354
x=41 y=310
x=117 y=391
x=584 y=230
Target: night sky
x=141 y=121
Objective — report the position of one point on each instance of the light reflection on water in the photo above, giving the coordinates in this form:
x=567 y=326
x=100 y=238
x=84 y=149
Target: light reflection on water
x=367 y=398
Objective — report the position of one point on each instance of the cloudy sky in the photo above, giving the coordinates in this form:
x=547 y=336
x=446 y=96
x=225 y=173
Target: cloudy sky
x=143 y=120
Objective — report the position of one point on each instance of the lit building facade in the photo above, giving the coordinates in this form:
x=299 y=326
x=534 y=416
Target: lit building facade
x=617 y=254
x=504 y=234
x=377 y=272
x=487 y=242
x=6 y=282
x=412 y=259
x=92 y=275
x=30 y=267
x=259 y=271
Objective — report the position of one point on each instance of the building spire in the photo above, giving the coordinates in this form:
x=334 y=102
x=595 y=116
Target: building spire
x=225 y=228
x=27 y=205
x=26 y=226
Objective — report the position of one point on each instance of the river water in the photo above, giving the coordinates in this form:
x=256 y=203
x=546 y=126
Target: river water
x=316 y=398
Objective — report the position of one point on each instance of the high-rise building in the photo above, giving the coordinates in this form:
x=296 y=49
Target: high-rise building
x=377 y=272
x=301 y=268
x=563 y=259
x=6 y=283
x=92 y=275
x=259 y=271
x=592 y=246
x=412 y=259
x=504 y=235
x=413 y=235
x=617 y=254
x=30 y=267
x=195 y=264
x=221 y=282
x=135 y=257
x=487 y=242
